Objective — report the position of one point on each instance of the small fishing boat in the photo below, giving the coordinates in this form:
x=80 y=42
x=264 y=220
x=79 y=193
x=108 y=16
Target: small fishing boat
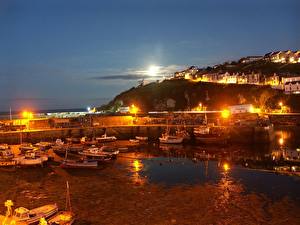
x=105 y=138
x=79 y=164
x=23 y=215
x=170 y=139
x=134 y=141
x=6 y=154
x=4 y=147
x=76 y=164
x=73 y=140
x=34 y=215
x=26 y=147
x=62 y=218
x=201 y=130
x=60 y=148
x=85 y=141
x=43 y=145
x=31 y=158
x=102 y=153
x=141 y=138
x=215 y=135
x=66 y=217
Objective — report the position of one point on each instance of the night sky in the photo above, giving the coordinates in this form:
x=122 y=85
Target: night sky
x=70 y=54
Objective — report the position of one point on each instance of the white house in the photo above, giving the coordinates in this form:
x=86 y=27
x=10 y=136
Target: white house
x=291 y=85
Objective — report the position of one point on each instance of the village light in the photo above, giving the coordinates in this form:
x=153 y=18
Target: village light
x=225 y=113
x=281 y=141
x=27 y=115
x=133 y=109
x=280 y=104
x=226 y=167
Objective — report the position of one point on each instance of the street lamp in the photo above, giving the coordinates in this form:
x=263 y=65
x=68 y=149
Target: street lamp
x=134 y=109
x=225 y=114
x=27 y=116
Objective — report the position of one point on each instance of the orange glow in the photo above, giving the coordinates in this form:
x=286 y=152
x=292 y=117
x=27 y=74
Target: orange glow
x=43 y=221
x=226 y=167
x=137 y=165
x=133 y=109
x=280 y=104
x=24 y=114
x=225 y=113
x=27 y=115
x=281 y=141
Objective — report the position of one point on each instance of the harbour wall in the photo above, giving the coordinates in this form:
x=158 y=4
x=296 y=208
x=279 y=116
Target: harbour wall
x=153 y=132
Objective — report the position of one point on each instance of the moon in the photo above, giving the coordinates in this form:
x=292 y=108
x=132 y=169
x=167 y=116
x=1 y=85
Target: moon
x=153 y=70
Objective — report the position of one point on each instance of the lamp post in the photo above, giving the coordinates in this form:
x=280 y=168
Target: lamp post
x=134 y=110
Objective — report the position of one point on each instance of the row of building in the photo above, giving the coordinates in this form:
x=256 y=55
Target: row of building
x=275 y=57
x=291 y=85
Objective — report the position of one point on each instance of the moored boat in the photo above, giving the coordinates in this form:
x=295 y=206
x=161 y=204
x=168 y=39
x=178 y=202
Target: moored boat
x=26 y=147
x=43 y=145
x=102 y=153
x=171 y=139
x=31 y=158
x=141 y=138
x=211 y=135
x=6 y=154
x=62 y=218
x=86 y=141
x=105 y=138
x=79 y=164
x=23 y=215
x=66 y=217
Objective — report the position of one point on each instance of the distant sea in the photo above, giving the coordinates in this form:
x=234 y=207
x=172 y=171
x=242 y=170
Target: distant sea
x=16 y=114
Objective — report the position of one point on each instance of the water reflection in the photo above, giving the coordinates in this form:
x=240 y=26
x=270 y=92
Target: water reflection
x=136 y=177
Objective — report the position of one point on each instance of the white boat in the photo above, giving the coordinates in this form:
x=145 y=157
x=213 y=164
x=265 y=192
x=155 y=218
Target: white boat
x=43 y=145
x=134 y=140
x=26 y=147
x=4 y=147
x=79 y=164
x=6 y=157
x=201 y=130
x=6 y=154
x=104 y=152
x=85 y=141
x=169 y=139
x=105 y=138
x=31 y=158
x=34 y=215
x=141 y=138
x=23 y=215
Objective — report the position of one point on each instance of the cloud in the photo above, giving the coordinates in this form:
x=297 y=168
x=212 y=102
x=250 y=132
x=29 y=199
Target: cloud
x=119 y=77
x=139 y=73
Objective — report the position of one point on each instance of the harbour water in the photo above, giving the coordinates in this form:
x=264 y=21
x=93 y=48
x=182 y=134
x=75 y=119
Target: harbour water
x=169 y=185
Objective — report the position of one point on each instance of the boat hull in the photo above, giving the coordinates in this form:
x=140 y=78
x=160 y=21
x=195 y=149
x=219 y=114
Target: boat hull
x=171 y=141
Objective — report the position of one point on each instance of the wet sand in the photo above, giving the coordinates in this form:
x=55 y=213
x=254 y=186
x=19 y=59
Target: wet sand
x=117 y=194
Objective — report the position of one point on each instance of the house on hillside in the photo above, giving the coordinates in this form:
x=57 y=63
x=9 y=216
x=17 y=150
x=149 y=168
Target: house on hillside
x=250 y=59
x=291 y=85
x=283 y=57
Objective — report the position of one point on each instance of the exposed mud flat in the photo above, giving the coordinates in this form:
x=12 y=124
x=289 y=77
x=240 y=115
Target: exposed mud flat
x=118 y=194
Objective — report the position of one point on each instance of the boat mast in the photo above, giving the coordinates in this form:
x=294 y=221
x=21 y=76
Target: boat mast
x=68 y=199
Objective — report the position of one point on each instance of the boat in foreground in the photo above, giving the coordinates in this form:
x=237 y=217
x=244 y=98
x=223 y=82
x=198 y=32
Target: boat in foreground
x=62 y=218
x=66 y=217
x=23 y=215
